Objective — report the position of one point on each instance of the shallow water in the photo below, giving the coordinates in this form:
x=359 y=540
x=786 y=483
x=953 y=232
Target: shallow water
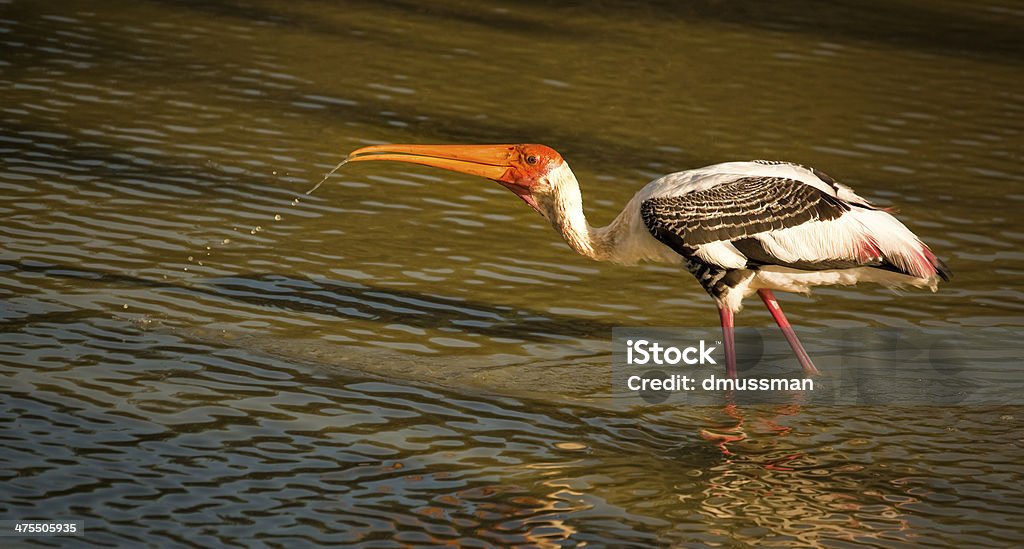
x=412 y=355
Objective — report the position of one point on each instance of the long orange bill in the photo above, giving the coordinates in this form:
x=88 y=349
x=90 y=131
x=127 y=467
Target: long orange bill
x=489 y=161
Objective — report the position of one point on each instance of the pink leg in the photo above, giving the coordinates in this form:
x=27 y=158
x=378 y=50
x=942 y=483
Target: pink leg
x=727 y=339
x=776 y=310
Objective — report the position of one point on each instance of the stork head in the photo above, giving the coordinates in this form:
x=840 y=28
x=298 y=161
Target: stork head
x=535 y=173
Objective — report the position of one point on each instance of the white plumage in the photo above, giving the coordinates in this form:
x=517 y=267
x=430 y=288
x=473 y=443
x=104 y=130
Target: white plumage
x=863 y=233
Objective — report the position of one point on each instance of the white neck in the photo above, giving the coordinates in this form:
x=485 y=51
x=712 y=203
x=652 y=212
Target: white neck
x=564 y=209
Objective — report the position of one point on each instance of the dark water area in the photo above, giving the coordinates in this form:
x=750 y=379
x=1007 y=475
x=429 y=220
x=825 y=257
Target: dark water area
x=411 y=357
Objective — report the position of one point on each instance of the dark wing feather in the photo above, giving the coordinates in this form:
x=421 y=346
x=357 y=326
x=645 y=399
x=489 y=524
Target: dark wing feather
x=735 y=210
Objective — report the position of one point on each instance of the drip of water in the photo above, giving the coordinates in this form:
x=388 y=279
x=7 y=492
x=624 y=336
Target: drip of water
x=317 y=186
x=277 y=217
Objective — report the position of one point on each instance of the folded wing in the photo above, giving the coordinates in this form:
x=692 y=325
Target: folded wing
x=753 y=221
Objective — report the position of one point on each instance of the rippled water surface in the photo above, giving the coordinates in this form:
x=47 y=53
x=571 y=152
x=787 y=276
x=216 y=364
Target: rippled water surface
x=411 y=357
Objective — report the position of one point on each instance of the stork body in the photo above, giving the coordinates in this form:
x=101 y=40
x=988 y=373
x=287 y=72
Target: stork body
x=740 y=227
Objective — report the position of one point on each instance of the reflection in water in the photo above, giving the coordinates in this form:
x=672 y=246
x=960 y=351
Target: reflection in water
x=721 y=437
x=406 y=355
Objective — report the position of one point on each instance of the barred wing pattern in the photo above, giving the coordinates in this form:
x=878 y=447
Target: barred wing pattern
x=736 y=210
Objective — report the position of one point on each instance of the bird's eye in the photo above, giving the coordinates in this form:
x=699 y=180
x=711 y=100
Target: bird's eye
x=532 y=159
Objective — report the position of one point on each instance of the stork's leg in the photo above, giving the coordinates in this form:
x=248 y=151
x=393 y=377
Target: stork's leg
x=727 y=339
x=776 y=310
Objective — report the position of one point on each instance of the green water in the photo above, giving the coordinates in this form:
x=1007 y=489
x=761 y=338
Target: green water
x=411 y=356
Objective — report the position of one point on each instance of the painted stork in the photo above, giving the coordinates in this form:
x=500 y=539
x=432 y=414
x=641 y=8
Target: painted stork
x=738 y=227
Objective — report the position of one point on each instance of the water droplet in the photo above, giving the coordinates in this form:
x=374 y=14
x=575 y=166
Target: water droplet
x=190 y=258
x=277 y=217
x=125 y=305
x=295 y=202
x=185 y=269
x=274 y=172
x=227 y=241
